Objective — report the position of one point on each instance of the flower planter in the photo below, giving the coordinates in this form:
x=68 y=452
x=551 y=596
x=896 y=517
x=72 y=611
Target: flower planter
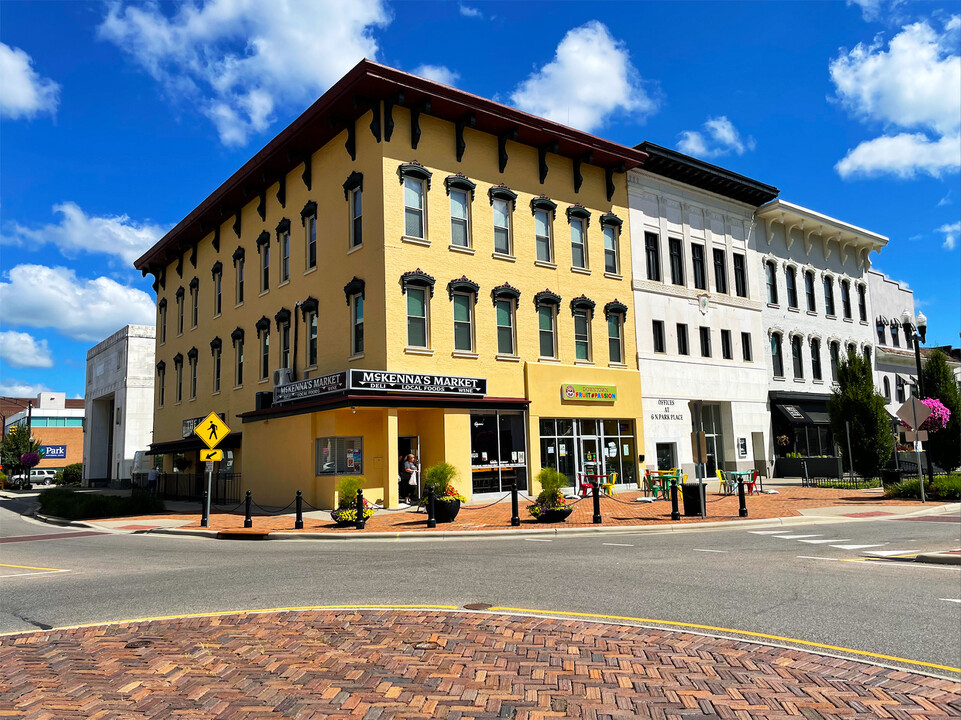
x=555 y=515
x=446 y=510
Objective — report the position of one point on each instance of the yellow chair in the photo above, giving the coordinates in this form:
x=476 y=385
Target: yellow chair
x=608 y=487
x=725 y=485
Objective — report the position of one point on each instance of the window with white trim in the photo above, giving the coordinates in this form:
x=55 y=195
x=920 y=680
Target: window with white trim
x=463 y=306
x=459 y=218
x=547 y=330
x=357 y=323
x=615 y=337
x=417 y=317
x=504 y=313
x=579 y=242
x=582 y=335
x=502 y=226
x=415 y=194
x=543 y=238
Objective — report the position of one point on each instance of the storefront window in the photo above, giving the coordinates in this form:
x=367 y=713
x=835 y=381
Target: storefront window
x=498 y=451
x=339 y=456
x=601 y=447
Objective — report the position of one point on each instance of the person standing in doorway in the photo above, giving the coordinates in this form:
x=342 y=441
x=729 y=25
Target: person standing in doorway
x=409 y=486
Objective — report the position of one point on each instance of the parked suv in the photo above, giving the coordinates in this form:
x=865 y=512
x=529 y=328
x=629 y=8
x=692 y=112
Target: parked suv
x=42 y=476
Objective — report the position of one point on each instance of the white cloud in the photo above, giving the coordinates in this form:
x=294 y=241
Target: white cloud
x=590 y=79
x=950 y=235
x=904 y=155
x=20 y=389
x=79 y=232
x=80 y=308
x=470 y=12
x=719 y=137
x=242 y=58
x=946 y=200
x=23 y=93
x=22 y=350
x=437 y=73
x=914 y=83
x=872 y=10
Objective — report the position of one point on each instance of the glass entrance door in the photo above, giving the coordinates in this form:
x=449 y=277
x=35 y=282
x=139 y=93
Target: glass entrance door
x=590 y=463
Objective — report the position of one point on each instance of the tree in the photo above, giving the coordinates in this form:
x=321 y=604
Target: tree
x=16 y=444
x=939 y=382
x=855 y=401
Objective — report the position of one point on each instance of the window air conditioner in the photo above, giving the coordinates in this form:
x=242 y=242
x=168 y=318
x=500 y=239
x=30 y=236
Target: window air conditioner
x=281 y=376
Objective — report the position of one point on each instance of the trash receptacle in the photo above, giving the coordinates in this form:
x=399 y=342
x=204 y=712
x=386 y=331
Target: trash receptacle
x=890 y=476
x=695 y=498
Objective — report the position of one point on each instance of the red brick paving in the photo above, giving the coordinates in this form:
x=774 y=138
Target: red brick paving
x=620 y=511
x=427 y=664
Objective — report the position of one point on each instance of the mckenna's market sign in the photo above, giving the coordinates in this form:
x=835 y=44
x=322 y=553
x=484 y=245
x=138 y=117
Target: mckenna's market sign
x=588 y=393
x=380 y=381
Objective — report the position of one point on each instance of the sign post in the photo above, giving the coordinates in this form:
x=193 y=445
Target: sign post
x=211 y=431
x=913 y=413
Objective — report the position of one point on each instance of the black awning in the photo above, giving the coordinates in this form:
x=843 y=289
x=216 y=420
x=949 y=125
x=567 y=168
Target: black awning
x=819 y=418
x=794 y=414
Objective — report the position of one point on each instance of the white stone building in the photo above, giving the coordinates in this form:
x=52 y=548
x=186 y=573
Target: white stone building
x=119 y=404
x=698 y=311
x=816 y=309
x=895 y=368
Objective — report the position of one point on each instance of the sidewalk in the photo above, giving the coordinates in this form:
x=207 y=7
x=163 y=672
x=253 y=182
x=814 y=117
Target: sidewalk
x=425 y=663
x=479 y=517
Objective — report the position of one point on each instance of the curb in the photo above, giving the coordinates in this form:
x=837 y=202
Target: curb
x=421 y=536
x=940 y=558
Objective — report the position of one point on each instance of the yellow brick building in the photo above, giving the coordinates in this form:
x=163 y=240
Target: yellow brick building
x=429 y=272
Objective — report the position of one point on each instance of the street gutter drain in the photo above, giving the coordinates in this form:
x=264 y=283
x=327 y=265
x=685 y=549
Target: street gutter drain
x=478 y=606
x=138 y=644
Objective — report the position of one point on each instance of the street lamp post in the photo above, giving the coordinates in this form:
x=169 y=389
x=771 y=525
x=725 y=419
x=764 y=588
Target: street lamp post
x=917 y=329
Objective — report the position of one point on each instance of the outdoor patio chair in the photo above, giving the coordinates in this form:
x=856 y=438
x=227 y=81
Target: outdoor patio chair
x=608 y=487
x=725 y=485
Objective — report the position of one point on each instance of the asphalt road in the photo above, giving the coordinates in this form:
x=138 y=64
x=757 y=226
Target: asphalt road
x=799 y=587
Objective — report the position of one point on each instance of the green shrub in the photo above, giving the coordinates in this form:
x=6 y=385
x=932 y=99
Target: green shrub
x=551 y=482
x=347 y=488
x=439 y=477
x=947 y=488
x=72 y=474
x=65 y=503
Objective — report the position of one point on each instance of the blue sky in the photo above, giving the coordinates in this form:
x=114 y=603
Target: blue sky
x=117 y=119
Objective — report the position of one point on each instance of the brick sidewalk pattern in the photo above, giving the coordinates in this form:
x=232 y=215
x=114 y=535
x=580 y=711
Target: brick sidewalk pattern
x=617 y=511
x=381 y=664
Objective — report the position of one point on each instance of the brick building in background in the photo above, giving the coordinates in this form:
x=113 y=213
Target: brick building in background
x=54 y=420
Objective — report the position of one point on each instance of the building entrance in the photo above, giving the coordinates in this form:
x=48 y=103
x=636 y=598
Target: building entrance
x=594 y=447
x=409 y=445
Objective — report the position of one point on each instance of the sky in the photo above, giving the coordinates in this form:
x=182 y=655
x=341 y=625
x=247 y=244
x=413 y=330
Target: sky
x=118 y=118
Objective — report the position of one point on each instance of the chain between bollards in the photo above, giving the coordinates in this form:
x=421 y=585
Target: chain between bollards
x=515 y=516
x=299 y=521
x=597 y=503
x=675 y=513
x=361 y=523
x=204 y=517
x=742 y=511
x=248 y=521
x=431 y=517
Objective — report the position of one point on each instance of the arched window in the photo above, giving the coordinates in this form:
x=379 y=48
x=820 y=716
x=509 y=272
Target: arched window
x=796 y=357
x=816 y=358
x=771 y=271
x=887 y=389
x=777 y=359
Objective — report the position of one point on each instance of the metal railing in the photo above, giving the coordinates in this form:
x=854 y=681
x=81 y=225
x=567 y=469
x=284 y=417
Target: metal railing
x=225 y=488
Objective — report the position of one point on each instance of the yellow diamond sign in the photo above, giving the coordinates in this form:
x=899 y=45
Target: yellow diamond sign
x=212 y=430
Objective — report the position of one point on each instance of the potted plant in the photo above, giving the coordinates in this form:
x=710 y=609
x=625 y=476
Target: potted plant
x=181 y=463
x=346 y=512
x=446 y=499
x=550 y=505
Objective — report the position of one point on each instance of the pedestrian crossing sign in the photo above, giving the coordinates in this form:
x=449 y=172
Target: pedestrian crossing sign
x=212 y=430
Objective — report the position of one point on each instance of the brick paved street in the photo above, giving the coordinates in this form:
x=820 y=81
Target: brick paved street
x=620 y=511
x=429 y=664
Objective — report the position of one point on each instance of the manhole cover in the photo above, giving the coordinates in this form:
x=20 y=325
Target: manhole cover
x=137 y=644
x=478 y=606
x=427 y=646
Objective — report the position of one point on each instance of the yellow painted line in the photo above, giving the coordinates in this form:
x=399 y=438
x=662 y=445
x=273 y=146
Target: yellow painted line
x=30 y=567
x=779 y=638
x=221 y=613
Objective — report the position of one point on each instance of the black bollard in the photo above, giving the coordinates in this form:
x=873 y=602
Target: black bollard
x=299 y=521
x=597 y=503
x=515 y=516
x=675 y=513
x=431 y=519
x=204 y=519
x=248 y=522
x=742 y=512
x=361 y=523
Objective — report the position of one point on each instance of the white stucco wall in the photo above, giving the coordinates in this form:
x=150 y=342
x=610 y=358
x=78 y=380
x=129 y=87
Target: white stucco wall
x=122 y=368
x=669 y=380
x=889 y=299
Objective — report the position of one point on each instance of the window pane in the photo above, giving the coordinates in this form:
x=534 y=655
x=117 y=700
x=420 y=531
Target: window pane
x=503 y=313
x=416 y=332
x=413 y=193
x=505 y=330
x=458 y=232
x=500 y=213
x=540 y=222
x=578 y=256
x=415 y=302
x=413 y=223
x=502 y=242
x=545 y=324
x=461 y=308
x=581 y=336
